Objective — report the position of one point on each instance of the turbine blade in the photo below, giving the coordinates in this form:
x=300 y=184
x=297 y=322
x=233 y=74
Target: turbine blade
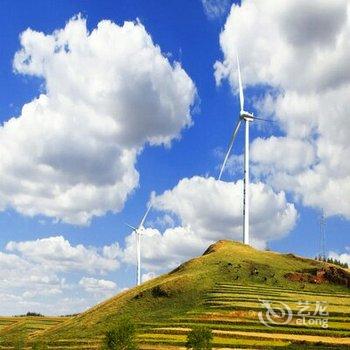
x=265 y=120
x=241 y=94
x=145 y=216
x=230 y=147
x=132 y=227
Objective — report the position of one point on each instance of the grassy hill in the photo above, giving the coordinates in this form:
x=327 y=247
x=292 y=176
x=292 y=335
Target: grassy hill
x=221 y=289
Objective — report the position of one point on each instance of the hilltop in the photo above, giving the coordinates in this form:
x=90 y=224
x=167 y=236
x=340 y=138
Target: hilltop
x=221 y=289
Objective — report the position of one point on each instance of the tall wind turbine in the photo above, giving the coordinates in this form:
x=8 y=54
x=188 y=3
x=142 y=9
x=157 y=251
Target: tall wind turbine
x=138 y=232
x=247 y=118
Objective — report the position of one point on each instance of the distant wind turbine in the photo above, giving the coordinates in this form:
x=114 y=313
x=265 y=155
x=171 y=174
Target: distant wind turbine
x=138 y=232
x=247 y=117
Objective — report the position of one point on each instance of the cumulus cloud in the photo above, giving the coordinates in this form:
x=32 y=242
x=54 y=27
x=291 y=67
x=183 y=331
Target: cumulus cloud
x=286 y=154
x=23 y=284
x=300 y=51
x=209 y=210
x=214 y=209
x=342 y=257
x=17 y=272
x=71 y=153
x=56 y=252
x=41 y=275
x=98 y=286
x=148 y=276
x=164 y=250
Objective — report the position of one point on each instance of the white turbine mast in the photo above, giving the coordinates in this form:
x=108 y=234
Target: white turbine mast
x=138 y=232
x=247 y=118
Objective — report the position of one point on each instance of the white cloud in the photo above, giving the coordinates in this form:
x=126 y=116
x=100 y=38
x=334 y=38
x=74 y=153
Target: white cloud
x=20 y=305
x=71 y=153
x=58 y=254
x=148 y=276
x=285 y=155
x=112 y=251
x=98 y=286
x=272 y=56
x=209 y=210
x=214 y=209
x=342 y=257
x=41 y=276
x=163 y=221
x=215 y=8
x=27 y=286
x=300 y=51
x=162 y=251
x=17 y=272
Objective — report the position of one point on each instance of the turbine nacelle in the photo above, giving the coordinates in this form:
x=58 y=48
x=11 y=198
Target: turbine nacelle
x=139 y=231
x=246 y=116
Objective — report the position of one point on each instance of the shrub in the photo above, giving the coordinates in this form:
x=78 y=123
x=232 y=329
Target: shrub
x=34 y=314
x=159 y=292
x=332 y=261
x=200 y=338
x=122 y=337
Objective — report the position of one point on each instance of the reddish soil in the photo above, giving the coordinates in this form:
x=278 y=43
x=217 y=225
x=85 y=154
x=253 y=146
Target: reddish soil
x=327 y=274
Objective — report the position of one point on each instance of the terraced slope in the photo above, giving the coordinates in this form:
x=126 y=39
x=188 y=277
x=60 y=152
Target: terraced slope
x=16 y=329
x=221 y=290
x=232 y=313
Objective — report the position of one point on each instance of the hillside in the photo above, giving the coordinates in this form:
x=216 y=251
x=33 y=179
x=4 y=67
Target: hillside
x=220 y=289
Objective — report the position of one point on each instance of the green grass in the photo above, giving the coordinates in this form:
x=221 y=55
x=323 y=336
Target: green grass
x=13 y=329
x=218 y=290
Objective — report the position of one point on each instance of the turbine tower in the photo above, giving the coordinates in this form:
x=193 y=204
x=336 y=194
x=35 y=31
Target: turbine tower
x=323 y=235
x=138 y=233
x=247 y=118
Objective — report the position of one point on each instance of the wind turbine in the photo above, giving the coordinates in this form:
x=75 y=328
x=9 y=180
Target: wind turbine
x=247 y=118
x=138 y=232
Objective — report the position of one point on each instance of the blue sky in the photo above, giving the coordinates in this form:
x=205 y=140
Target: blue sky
x=185 y=33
